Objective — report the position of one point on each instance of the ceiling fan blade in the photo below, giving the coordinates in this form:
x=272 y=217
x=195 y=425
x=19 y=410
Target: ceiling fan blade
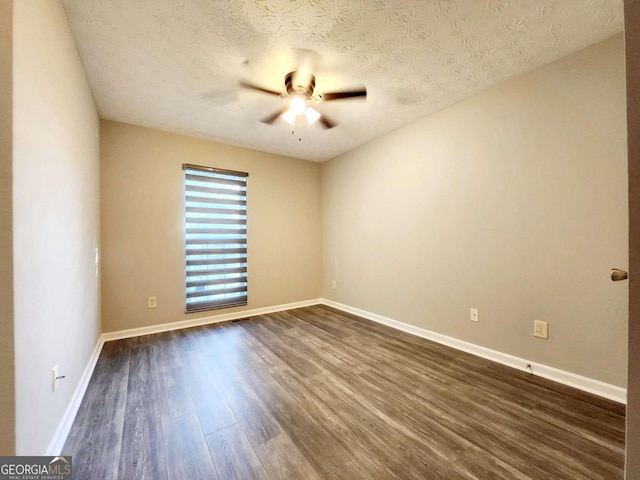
x=274 y=116
x=326 y=122
x=345 y=94
x=251 y=86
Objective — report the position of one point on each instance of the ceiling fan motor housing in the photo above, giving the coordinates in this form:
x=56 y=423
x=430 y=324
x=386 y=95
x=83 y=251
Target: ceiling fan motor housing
x=299 y=89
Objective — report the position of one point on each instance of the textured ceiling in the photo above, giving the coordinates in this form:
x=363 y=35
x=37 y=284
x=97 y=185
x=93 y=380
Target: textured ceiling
x=175 y=65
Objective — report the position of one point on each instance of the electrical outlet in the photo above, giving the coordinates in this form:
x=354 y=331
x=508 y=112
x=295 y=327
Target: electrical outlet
x=334 y=285
x=152 y=302
x=54 y=378
x=474 y=316
x=541 y=329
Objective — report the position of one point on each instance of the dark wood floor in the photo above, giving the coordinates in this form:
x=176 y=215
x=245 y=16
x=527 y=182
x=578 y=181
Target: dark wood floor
x=314 y=393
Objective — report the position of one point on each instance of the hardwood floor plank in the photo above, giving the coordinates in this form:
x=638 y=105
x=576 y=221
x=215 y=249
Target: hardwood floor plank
x=168 y=363
x=292 y=357
x=283 y=461
x=310 y=429
x=209 y=401
x=144 y=437
x=328 y=323
x=233 y=455
x=481 y=464
x=248 y=408
x=359 y=468
x=277 y=321
x=310 y=425
x=188 y=452
x=387 y=439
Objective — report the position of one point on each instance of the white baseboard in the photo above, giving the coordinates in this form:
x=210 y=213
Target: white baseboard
x=612 y=392
x=61 y=433
x=224 y=317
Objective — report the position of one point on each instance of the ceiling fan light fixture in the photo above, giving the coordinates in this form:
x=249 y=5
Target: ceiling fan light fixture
x=312 y=115
x=290 y=117
x=297 y=105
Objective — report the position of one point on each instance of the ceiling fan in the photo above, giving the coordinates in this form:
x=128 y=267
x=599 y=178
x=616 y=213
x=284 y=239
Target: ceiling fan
x=300 y=92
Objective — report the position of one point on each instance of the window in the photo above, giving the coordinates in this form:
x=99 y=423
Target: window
x=216 y=238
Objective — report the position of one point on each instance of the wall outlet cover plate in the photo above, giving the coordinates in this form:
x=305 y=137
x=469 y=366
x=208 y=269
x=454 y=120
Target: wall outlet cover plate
x=541 y=329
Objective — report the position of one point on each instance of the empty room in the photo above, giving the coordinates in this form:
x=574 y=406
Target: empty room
x=276 y=239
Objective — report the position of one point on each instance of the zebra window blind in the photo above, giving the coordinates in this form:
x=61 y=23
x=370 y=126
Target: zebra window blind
x=215 y=237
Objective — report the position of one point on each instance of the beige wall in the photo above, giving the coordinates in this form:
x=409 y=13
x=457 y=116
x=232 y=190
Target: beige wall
x=632 y=29
x=513 y=201
x=142 y=224
x=7 y=390
x=56 y=219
